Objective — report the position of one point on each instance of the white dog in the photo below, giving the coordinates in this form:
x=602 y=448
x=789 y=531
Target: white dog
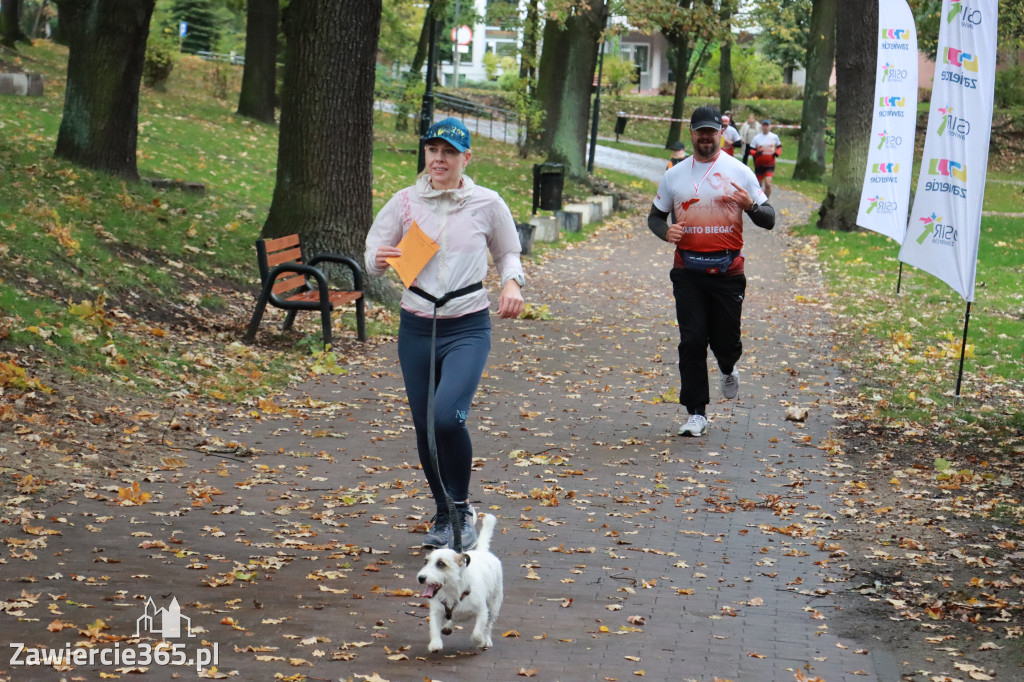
x=463 y=587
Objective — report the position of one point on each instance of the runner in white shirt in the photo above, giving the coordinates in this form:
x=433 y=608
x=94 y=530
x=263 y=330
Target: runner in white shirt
x=767 y=146
x=731 y=138
x=708 y=194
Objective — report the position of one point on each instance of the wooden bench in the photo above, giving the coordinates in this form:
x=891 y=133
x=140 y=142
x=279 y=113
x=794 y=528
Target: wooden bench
x=293 y=284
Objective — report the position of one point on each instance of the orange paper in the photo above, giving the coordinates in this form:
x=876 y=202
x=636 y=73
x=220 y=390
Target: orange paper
x=417 y=249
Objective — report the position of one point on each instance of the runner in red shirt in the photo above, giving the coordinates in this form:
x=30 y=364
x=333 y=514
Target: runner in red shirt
x=708 y=194
x=767 y=146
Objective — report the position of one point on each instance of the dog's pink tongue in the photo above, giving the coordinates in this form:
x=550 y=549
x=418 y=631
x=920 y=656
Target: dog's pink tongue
x=429 y=591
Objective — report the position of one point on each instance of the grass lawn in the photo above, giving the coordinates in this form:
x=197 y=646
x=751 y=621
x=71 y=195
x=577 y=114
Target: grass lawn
x=116 y=282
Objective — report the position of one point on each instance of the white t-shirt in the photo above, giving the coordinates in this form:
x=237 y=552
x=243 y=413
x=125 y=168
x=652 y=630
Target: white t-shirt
x=730 y=138
x=764 y=145
x=696 y=193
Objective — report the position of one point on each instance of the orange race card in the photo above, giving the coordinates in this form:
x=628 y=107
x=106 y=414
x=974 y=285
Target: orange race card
x=417 y=250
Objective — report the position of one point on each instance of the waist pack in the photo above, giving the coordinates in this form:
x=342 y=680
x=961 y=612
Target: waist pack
x=710 y=262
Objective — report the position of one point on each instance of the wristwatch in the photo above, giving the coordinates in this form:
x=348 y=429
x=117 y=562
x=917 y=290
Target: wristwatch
x=518 y=279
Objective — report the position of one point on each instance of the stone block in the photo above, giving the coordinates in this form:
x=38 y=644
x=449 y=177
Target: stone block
x=545 y=228
x=585 y=210
x=21 y=84
x=570 y=221
x=606 y=201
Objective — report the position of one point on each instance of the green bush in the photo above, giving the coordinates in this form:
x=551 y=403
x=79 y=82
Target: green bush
x=618 y=74
x=1010 y=87
x=491 y=65
x=509 y=78
x=159 y=63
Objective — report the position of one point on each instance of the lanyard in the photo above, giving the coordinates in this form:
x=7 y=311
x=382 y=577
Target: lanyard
x=696 y=185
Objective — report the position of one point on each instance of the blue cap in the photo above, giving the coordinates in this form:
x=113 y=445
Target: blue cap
x=452 y=131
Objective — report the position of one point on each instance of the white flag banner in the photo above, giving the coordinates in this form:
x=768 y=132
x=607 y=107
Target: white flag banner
x=945 y=222
x=885 y=194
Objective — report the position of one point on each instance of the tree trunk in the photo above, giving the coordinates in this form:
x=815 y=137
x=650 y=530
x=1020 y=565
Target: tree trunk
x=855 y=78
x=10 y=12
x=566 y=80
x=528 y=55
x=725 y=79
x=259 y=77
x=679 y=54
x=821 y=53
x=107 y=45
x=325 y=146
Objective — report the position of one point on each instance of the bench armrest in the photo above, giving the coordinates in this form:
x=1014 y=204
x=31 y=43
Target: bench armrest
x=299 y=269
x=357 y=272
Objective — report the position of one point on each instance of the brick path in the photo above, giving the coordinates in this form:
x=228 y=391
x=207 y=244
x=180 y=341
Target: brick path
x=628 y=551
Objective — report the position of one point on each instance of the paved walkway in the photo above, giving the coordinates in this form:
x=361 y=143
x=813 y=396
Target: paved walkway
x=628 y=551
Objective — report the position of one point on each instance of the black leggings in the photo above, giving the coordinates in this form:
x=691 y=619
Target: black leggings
x=463 y=344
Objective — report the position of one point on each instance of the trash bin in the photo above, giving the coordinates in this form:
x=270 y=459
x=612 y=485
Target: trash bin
x=548 y=179
x=525 y=237
x=620 y=125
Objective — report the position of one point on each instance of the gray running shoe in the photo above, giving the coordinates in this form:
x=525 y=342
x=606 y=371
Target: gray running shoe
x=467 y=519
x=730 y=383
x=440 y=534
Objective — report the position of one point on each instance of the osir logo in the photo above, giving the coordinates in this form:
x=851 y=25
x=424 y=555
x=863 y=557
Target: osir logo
x=881 y=206
x=887 y=141
x=952 y=125
x=969 y=17
x=940 y=233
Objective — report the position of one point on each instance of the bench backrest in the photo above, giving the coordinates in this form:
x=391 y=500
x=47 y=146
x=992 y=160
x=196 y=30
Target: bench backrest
x=274 y=252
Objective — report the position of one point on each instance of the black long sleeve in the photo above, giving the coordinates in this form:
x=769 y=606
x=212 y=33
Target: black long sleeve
x=657 y=221
x=762 y=215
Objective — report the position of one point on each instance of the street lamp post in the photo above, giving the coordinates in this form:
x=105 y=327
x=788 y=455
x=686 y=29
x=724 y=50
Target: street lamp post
x=427 y=110
x=597 y=109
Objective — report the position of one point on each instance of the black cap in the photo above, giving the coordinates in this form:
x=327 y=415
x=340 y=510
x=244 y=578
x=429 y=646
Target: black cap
x=676 y=146
x=706 y=117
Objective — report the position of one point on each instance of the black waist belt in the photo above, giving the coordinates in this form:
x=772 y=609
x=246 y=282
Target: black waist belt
x=439 y=302
x=712 y=254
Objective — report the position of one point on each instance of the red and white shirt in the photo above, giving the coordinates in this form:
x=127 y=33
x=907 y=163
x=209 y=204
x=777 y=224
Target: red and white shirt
x=696 y=194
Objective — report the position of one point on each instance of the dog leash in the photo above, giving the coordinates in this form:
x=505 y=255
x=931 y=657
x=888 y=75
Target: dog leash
x=431 y=438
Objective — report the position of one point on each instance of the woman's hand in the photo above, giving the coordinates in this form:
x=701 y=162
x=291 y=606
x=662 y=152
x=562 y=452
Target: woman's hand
x=510 y=303
x=385 y=252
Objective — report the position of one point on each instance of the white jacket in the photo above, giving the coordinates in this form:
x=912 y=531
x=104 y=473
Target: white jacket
x=466 y=223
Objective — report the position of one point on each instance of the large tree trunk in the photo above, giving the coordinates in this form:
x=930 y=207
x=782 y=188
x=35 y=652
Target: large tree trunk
x=725 y=79
x=325 y=147
x=11 y=16
x=259 y=78
x=566 y=80
x=855 y=85
x=107 y=45
x=821 y=53
x=528 y=55
x=679 y=56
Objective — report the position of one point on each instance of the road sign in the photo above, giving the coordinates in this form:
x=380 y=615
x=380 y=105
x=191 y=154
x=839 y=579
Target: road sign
x=463 y=35
x=182 y=29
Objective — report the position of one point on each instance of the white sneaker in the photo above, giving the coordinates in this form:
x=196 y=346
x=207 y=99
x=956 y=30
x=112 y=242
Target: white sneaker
x=730 y=383
x=696 y=425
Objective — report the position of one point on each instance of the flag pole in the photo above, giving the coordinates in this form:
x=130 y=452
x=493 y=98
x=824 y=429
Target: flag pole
x=899 y=279
x=963 y=350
